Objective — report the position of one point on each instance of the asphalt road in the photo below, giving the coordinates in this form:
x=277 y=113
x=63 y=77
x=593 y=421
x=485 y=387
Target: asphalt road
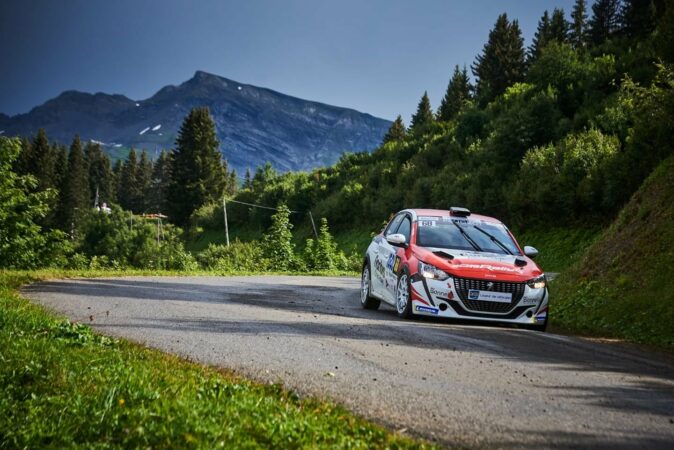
x=456 y=384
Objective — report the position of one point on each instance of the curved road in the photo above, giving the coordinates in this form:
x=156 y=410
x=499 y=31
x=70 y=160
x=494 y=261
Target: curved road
x=456 y=384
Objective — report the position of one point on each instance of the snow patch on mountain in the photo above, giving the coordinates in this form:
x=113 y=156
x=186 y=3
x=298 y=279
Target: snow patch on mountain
x=156 y=127
x=145 y=130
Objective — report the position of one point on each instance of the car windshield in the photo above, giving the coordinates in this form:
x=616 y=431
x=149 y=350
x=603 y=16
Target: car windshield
x=463 y=234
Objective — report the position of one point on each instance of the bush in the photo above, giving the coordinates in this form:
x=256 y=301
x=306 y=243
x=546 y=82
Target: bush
x=239 y=256
x=120 y=239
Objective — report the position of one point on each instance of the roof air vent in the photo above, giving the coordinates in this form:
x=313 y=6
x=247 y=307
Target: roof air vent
x=459 y=212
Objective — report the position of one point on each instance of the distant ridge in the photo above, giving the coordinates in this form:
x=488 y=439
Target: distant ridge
x=254 y=124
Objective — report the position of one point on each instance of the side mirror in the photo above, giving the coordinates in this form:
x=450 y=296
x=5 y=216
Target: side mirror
x=396 y=239
x=531 y=252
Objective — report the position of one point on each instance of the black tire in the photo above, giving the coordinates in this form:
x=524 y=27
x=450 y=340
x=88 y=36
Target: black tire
x=366 y=300
x=403 y=297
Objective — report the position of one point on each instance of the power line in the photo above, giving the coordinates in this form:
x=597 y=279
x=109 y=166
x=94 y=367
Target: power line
x=264 y=207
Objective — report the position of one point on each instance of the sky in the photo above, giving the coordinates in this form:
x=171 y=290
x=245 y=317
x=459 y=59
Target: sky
x=376 y=56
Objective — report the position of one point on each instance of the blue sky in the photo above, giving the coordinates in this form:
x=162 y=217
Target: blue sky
x=377 y=56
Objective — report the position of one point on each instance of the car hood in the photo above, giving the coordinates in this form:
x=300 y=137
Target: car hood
x=482 y=265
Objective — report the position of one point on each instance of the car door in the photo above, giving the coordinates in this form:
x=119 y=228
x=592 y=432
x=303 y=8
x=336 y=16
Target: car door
x=380 y=258
x=391 y=258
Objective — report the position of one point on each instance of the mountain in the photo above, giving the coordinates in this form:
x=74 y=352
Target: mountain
x=255 y=125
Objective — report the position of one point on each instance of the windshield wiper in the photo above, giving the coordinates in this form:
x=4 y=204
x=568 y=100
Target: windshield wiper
x=494 y=239
x=468 y=238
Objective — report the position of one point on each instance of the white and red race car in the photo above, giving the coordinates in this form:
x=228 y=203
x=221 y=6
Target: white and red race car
x=454 y=264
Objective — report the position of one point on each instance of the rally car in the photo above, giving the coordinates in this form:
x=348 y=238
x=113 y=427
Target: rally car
x=454 y=264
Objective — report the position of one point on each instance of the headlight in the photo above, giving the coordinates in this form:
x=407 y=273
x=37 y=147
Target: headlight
x=537 y=283
x=429 y=271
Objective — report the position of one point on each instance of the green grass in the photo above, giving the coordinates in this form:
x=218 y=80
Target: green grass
x=64 y=386
x=559 y=248
x=623 y=286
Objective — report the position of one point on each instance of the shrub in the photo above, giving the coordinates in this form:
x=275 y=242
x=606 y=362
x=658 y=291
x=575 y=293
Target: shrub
x=239 y=256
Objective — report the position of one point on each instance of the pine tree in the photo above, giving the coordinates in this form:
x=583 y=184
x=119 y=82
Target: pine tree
x=161 y=177
x=232 y=183
x=45 y=161
x=101 y=178
x=457 y=95
x=396 y=131
x=501 y=63
x=541 y=37
x=144 y=183
x=38 y=158
x=638 y=17
x=559 y=27
x=75 y=196
x=578 y=32
x=127 y=186
x=424 y=114
x=248 y=182
x=197 y=175
x=605 y=21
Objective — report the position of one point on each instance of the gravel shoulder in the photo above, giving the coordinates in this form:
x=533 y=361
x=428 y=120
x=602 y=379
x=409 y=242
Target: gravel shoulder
x=454 y=383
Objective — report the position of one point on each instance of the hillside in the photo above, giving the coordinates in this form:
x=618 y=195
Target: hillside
x=254 y=125
x=623 y=286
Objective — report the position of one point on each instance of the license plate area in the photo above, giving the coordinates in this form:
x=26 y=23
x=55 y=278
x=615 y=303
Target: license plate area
x=489 y=296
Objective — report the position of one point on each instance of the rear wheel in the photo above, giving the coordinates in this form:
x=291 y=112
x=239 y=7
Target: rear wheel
x=366 y=300
x=403 y=299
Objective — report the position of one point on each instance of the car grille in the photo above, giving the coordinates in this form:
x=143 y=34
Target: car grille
x=463 y=285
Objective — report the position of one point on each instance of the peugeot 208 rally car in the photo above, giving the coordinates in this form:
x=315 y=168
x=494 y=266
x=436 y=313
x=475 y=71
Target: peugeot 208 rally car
x=454 y=264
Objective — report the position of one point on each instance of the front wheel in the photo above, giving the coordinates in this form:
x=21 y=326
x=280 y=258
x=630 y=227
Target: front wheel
x=403 y=299
x=366 y=300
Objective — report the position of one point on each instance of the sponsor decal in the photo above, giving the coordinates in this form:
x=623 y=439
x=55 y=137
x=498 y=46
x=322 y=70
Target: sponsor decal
x=427 y=218
x=489 y=296
x=379 y=269
x=427 y=309
x=529 y=300
x=491 y=268
x=393 y=263
x=438 y=292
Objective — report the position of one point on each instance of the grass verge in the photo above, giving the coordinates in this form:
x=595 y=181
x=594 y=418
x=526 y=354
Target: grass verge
x=623 y=286
x=64 y=386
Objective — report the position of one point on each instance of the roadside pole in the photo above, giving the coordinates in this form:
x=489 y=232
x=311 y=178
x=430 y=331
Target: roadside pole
x=224 y=210
x=313 y=225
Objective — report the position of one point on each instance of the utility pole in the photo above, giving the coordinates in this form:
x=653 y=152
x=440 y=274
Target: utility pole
x=224 y=210
x=313 y=225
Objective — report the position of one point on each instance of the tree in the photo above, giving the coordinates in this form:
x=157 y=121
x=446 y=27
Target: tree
x=277 y=245
x=578 y=32
x=424 y=114
x=101 y=178
x=605 y=21
x=144 y=182
x=541 y=36
x=161 y=177
x=501 y=63
x=248 y=182
x=638 y=17
x=75 y=197
x=664 y=36
x=457 y=95
x=559 y=27
x=550 y=29
x=396 y=131
x=127 y=185
x=23 y=244
x=197 y=176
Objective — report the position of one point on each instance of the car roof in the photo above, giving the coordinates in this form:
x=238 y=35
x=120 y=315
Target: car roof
x=445 y=213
